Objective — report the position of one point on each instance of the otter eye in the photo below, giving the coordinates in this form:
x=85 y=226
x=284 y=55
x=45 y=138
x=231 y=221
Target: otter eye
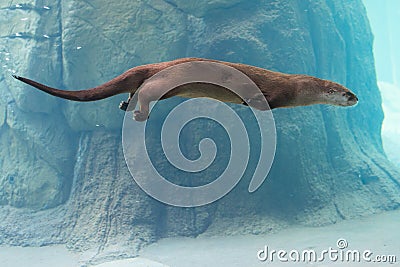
x=331 y=91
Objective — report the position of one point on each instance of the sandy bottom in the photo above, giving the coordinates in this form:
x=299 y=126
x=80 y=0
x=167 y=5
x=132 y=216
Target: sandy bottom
x=379 y=233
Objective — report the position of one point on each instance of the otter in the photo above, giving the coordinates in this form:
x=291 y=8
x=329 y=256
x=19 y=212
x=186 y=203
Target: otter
x=279 y=89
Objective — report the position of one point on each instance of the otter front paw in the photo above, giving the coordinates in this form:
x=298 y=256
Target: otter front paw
x=124 y=105
x=140 y=116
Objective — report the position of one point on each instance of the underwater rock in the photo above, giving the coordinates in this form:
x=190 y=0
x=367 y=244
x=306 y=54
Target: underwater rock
x=3 y=111
x=107 y=211
x=199 y=9
x=27 y=31
x=94 y=53
x=329 y=165
x=35 y=171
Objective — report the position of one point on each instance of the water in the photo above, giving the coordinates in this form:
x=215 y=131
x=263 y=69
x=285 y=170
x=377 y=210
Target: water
x=334 y=178
x=387 y=70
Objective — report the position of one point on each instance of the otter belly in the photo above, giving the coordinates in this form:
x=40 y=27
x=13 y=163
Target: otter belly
x=195 y=90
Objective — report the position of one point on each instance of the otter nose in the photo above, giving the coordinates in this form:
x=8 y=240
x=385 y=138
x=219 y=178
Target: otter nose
x=351 y=96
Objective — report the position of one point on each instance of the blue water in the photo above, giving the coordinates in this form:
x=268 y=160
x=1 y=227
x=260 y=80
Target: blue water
x=387 y=69
x=72 y=175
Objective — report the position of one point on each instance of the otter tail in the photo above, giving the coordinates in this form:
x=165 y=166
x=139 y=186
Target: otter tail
x=118 y=85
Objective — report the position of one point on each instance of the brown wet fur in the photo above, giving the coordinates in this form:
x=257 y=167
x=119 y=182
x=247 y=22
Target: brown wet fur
x=280 y=90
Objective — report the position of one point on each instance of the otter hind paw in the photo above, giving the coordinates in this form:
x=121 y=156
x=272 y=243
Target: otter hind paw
x=123 y=105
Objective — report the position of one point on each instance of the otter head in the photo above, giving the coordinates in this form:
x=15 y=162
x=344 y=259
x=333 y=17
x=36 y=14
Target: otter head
x=311 y=90
x=335 y=94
